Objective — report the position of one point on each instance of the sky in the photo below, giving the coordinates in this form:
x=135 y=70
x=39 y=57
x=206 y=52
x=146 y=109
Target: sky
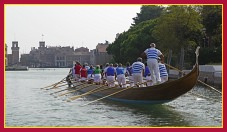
x=66 y=25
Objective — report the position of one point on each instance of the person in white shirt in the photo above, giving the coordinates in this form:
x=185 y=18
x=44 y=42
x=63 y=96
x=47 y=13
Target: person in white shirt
x=138 y=71
x=87 y=66
x=152 y=55
x=163 y=72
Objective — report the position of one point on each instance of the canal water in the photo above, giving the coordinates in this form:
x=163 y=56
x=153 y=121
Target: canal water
x=27 y=105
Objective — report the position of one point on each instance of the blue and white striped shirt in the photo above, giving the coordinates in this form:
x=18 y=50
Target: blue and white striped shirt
x=138 y=67
x=152 y=53
x=162 y=69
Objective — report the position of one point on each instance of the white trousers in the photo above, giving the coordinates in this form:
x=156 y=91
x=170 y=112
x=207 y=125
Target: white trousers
x=121 y=80
x=110 y=81
x=149 y=81
x=138 y=78
x=83 y=79
x=131 y=81
x=154 y=69
x=97 y=78
x=77 y=77
x=90 y=76
x=164 y=79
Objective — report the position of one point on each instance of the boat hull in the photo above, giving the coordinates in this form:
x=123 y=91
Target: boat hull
x=156 y=94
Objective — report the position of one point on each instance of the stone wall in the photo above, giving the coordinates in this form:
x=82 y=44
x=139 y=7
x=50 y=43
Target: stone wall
x=210 y=74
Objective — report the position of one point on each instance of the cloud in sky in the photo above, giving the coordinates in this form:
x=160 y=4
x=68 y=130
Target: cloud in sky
x=66 y=25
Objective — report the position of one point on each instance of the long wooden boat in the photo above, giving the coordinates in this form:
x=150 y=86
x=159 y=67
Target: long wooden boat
x=156 y=94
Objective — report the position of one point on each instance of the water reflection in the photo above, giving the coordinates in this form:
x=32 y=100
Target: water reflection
x=146 y=115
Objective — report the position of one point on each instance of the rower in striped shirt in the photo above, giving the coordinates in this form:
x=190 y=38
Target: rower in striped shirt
x=138 y=71
x=163 y=71
x=152 y=55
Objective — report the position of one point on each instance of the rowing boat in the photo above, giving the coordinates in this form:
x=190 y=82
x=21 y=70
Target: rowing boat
x=156 y=94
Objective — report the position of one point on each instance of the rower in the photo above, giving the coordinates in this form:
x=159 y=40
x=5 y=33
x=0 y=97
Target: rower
x=110 y=75
x=129 y=74
x=68 y=80
x=138 y=71
x=83 y=72
x=97 y=75
x=120 y=71
x=77 y=70
x=104 y=73
x=147 y=75
x=90 y=74
x=152 y=55
x=163 y=71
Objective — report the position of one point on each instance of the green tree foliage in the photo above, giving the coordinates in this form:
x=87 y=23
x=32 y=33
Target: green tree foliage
x=147 y=12
x=129 y=45
x=212 y=21
x=178 y=28
x=172 y=28
x=210 y=55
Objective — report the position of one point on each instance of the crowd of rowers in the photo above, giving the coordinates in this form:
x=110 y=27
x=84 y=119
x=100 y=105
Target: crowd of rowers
x=112 y=73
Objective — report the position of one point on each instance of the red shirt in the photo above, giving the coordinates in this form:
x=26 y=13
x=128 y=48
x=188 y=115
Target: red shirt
x=77 y=69
x=83 y=72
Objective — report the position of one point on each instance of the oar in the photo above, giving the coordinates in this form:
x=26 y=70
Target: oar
x=75 y=90
x=53 y=84
x=201 y=96
x=56 y=87
x=66 y=89
x=210 y=86
x=198 y=80
x=89 y=92
x=110 y=95
x=174 y=68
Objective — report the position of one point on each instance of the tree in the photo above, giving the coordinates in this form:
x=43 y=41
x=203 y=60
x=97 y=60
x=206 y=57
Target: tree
x=212 y=21
x=176 y=29
x=129 y=45
x=147 y=12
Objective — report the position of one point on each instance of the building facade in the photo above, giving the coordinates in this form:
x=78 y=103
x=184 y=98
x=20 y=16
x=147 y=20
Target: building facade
x=59 y=56
x=13 y=59
x=100 y=54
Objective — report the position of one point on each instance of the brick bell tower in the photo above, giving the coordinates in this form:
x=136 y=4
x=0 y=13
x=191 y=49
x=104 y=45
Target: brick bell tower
x=15 y=52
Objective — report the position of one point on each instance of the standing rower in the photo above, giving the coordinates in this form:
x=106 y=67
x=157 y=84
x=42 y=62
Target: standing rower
x=152 y=55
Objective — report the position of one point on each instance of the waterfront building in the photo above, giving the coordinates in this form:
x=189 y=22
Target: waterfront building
x=13 y=59
x=57 y=56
